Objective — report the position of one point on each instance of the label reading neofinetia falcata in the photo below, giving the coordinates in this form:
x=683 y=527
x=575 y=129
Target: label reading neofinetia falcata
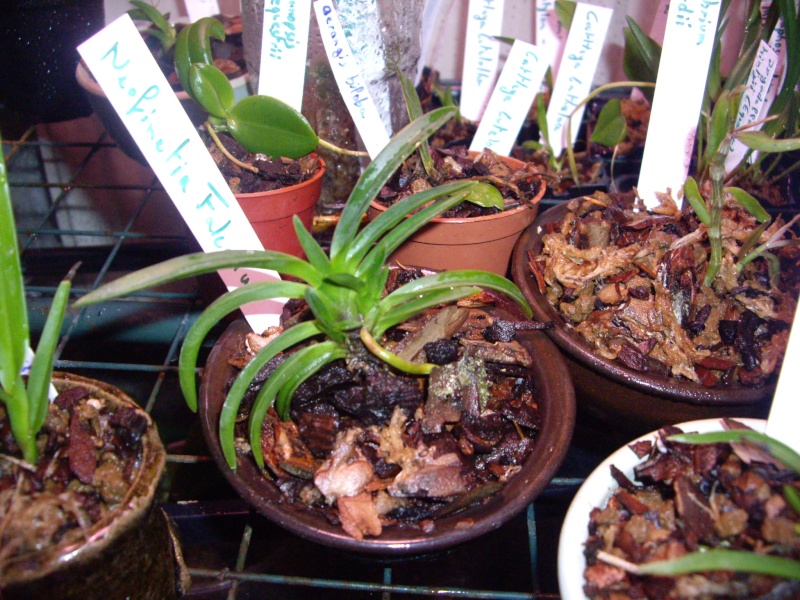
x=284 y=46
x=137 y=89
x=517 y=86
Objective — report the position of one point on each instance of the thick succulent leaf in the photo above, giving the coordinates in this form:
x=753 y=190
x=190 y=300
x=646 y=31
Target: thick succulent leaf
x=398 y=314
x=163 y=30
x=391 y=219
x=692 y=194
x=641 y=56
x=447 y=279
x=346 y=280
x=295 y=365
x=313 y=251
x=722 y=119
x=266 y=125
x=201 y=263
x=213 y=314
x=13 y=312
x=486 y=196
x=759 y=140
x=182 y=60
x=211 y=89
x=42 y=365
x=378 y=173
x=200 y=34
x=230 y=408
x=749 y=203
x=611 y=128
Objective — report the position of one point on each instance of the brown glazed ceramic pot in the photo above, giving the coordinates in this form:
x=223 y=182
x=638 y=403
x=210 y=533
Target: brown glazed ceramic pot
x=270 y=213
x=131 y=553
x=631 y=402
x=556 y=402
x=484 y=243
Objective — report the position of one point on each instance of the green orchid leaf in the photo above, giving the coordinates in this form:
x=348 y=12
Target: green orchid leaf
x=42 y=366
x=388 y=220
x=641 y=56
x=751 y=242
x=266 y=125
x=792 y=497
x=447 y=279
x=163 y=30
x=14 y=333
x=346 y=280
x=378 y=173
x=183 y=61
x=611 y=128
x=486 y=196
x=532 y=145
x=759 y=140
x=213 y=314
x=230 y=409
x=722 y=119
x=313 y=251
x=692 y=194
x=415 y=306
x=201 y=263
x=719 y=559
x=200 y=34
x=565 y=11
x=541 y=120
x=330 y=315
x=414 y=108
x=775 y=448
x=749 y=203
x=211 y=89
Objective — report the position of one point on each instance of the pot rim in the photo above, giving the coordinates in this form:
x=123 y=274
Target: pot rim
x=570 y=342
x=318 y=174
x=595 y=493
x=549 y=451
x=138 y=499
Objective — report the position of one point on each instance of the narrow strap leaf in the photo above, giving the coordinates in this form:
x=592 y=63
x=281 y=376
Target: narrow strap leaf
x=313 y=251
x=749 y=203
x=190 y=349
x=692 y=194
x=415 y=306
x=724 y=560
x=230 y=408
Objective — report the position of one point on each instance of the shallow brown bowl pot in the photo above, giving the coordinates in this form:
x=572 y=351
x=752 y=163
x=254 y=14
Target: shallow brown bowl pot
x=608 y=392
x=557 y=404
x=130 y=553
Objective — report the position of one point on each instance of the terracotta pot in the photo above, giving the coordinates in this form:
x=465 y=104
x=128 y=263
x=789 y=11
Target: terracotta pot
x=484 y=243
x=129 y=553
x=270 y=213
x=117 y=129
x=556 y=402
x=595 y=492
x=608 y=392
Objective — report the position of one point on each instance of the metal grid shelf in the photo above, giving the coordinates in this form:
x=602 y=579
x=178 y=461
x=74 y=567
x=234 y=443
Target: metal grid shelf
x=133 y=343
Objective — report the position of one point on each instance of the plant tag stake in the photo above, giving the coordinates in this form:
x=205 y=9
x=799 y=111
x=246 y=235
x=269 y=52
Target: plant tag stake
x=784 y=414
x=348 y=77
x=660 y=21
x=137 y=89
x=550 y=34
x=680 y=87
x=578 y=65
x=284 y=46
x=197 y=9
x=481 y=55
x=516 y=88
x=754 y=101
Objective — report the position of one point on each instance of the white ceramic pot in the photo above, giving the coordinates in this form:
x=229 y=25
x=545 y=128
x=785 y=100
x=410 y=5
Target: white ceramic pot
x=595 y=492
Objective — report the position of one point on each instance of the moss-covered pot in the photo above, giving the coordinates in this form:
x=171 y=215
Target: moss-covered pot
x=130 y=553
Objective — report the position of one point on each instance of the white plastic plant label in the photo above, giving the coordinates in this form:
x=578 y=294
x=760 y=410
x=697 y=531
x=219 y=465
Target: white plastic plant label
x=784 y=413
x=481 y=56
x=284 y=46
x=578 y=65
x=550 y=34
x=137 y=89
x=511 y=99
x=680 y=86
x=754 y=101
x=197 y=9
x=659 y=23
x=352 y=85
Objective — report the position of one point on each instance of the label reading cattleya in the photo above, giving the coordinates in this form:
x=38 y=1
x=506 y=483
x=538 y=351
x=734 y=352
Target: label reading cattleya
x=284 y=46
x=481 y=56
x=517 y=86
x=197 y=9
x=352 y=85
x=137 y=89
x=550 y=34
x=578 y=65
x=755 y=100
x=678 y=98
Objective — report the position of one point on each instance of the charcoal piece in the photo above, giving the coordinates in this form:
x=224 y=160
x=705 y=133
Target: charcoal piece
x=441 y=352
x=130 y=424
x=67 y=398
